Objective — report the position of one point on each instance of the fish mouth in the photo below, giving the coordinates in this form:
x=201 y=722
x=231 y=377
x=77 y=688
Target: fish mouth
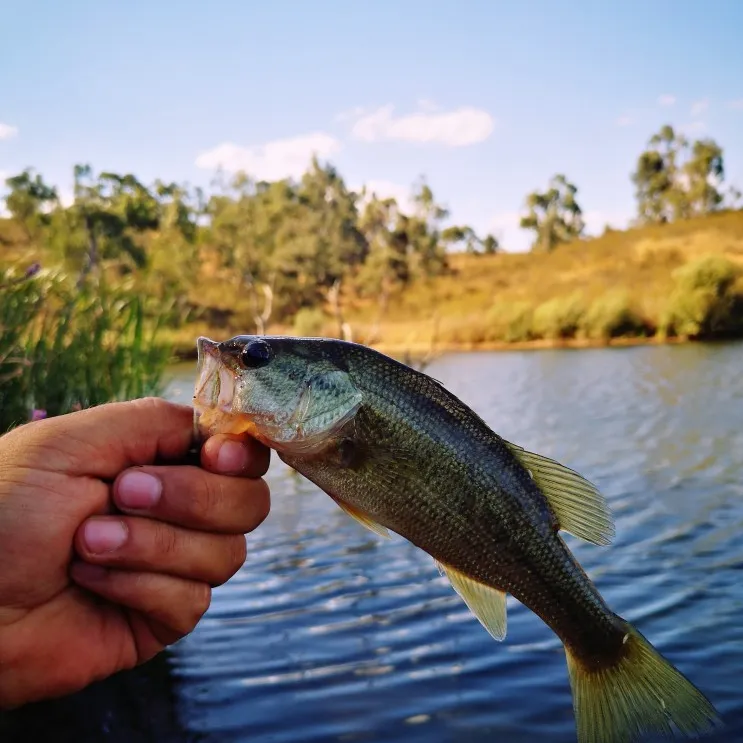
x=214 y=392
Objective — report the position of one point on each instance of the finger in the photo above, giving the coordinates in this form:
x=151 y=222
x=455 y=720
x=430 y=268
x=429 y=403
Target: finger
x=149 y=545
x=193 y=498
x=174 y=603
x=103 y=440
x=228 y=454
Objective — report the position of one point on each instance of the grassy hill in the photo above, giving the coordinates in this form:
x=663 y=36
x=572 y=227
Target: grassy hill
x=649 y=284
x=625 y=286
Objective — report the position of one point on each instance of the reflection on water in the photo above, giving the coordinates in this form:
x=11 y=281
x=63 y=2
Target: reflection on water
x=332 y=634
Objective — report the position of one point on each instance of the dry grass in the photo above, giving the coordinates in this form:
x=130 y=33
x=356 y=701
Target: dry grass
x=616 y=284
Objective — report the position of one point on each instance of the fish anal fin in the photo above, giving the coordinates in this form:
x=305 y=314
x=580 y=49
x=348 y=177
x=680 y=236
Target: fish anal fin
x=488 y=604
x=364 y=519
x=581 y=510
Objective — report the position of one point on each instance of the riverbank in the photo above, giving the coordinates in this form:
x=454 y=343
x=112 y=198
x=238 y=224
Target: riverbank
x=187 y=352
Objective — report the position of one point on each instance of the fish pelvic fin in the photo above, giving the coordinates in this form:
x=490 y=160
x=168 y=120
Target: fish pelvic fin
x=581 y=510
x=364 y=519
x=486 y=603
x=638 y=694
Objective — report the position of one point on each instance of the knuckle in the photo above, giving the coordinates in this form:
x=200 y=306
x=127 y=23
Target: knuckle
x=166 y=541
x=204 y=497
x=151 y=405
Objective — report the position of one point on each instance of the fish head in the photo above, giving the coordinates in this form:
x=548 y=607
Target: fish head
x=289 y=393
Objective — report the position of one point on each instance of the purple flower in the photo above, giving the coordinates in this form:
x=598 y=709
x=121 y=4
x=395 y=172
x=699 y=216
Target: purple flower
x=38 y=415
x=32 y=270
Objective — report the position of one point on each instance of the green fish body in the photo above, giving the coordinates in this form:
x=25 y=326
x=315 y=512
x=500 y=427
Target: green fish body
x=399 y=452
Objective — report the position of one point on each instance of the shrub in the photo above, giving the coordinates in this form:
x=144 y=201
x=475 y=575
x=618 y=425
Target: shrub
x=511 y=321
x=309 y=322
x=612 y=316
x=707 y=300
x=560 y=317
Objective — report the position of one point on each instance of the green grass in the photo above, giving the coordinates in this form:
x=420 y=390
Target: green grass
x=63 y=348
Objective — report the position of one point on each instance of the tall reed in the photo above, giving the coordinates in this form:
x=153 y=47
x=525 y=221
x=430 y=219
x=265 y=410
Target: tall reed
x=65 y=347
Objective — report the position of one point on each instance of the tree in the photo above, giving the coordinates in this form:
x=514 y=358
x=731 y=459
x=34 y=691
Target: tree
x=116 y=221
x=318 y=242
x=173 y=249
x=705 y=172
x=657 y=178
x=473 y=244
x=423 y=233
x=675 y=179
x=386 y=267
x=29 y=201
x=244 y=219
x=554 y=215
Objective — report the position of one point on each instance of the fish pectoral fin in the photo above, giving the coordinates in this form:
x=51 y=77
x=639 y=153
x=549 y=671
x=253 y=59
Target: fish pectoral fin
x=581 y=510
x=488 y=604
x=364 y=519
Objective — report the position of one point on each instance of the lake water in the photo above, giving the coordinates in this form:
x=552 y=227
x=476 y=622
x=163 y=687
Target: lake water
x=330 y=633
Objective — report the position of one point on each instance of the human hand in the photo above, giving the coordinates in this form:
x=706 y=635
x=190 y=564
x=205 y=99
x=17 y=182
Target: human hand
x=108 y=548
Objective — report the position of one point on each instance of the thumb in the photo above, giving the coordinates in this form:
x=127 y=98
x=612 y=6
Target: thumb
x=103 y=440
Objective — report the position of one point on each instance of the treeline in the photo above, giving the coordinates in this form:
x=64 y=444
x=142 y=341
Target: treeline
x=285 y=245
x=281 y=250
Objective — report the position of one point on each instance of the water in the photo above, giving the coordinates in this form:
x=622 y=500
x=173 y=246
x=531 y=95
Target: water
x=330 y=633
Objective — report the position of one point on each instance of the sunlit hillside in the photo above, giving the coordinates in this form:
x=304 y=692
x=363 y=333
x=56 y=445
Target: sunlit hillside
x=633 y=268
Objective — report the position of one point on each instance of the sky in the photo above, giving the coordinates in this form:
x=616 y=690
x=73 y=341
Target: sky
x=486 y=100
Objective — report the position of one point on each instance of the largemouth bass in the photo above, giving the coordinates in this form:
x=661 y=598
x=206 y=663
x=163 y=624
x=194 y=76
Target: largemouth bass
x=397 y=451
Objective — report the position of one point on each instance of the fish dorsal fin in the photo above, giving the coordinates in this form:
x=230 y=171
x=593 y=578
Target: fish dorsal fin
x=364 y=519
x=486 y=603
x=580 y=508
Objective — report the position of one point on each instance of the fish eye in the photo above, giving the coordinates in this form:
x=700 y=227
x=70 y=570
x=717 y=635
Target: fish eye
x=256 y=354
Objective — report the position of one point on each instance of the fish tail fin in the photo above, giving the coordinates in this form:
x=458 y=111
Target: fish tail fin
x=639 y=693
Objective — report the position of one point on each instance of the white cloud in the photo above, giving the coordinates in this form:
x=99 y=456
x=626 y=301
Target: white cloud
x=383 y=189
x=736 y=105
x=625 y=121
x=666 y=100
x=282 y=158
x=457 y=128
x=7 y=131
x=699 y=107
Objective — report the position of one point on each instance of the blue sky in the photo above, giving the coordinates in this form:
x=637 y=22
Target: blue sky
x=486 y=99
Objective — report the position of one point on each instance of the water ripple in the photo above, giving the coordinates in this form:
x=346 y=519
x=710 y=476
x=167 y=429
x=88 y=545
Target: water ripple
x=331 y=634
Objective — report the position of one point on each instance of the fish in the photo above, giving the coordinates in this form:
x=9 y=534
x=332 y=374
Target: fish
x=400 y=453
